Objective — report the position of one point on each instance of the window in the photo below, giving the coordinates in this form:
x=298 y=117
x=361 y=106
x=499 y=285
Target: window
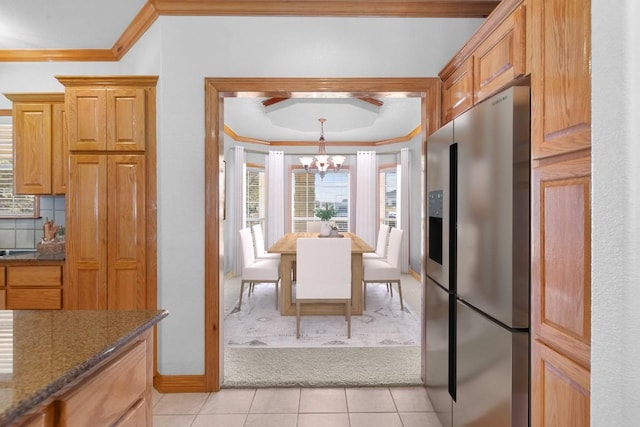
x=255 y=198
x=11 y=206
x=309 y=191
x=388 y=195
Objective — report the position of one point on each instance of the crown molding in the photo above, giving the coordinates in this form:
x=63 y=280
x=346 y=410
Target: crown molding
x=404 y=138
x=154 y=8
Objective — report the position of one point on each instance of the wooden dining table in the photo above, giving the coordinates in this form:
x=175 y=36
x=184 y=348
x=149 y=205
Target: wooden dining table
x=286 y=247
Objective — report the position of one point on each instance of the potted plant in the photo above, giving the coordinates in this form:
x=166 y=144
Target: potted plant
x=325 y=214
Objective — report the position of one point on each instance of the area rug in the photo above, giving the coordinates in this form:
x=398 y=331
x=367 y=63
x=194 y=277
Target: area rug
x=259 y=324
x=321 y=366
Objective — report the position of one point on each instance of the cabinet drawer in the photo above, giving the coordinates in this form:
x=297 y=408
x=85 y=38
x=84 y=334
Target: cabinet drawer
x=136 y=417
x=43 y=275
x=96 y=403
x=34 y=299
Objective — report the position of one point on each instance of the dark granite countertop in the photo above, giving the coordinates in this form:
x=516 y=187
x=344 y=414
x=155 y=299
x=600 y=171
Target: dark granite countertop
x=17 y=256
x=52 y=348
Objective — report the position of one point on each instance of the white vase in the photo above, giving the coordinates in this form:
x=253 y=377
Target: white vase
x=325 y=228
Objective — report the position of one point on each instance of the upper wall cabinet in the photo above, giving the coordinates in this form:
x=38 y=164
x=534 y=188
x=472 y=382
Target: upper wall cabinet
x=491 y=60
x=106 y=118
x=40 y=143
x=561 y=77
x=457 y=91
x=501 y=57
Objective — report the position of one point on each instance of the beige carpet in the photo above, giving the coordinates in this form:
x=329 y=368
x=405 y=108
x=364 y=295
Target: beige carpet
x=324 y=366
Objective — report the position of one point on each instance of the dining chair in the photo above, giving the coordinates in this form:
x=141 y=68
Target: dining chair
x=385 y=270
x=256 y=270
x=258 y=240
x=313 y=226
x=323 y=274
x=381 y=244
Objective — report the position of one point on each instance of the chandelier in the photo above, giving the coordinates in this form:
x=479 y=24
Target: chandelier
x=322 y=162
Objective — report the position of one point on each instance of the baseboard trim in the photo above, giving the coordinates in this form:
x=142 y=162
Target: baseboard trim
x=179 y=383
x=415 y=275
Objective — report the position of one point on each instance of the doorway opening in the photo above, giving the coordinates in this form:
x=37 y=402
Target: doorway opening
x=216 y=89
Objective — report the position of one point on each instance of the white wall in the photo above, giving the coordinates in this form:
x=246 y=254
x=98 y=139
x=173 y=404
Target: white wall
x=198 y=47
x=615 y=286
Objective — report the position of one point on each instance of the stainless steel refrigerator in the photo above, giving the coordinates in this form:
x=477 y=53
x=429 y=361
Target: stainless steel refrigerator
x=477 y=296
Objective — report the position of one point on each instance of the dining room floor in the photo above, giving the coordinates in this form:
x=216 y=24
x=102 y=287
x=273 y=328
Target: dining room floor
x=297 y=407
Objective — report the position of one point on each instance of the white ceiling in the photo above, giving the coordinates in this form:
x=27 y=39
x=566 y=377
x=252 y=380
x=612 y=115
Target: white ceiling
x=348 y=119
x=98 y=24
x=65 y=24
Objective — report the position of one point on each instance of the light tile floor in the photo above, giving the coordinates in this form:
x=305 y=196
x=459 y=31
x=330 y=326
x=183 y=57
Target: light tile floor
x=297 y=407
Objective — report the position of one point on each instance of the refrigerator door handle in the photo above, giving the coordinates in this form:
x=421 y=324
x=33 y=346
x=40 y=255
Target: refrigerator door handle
x=453 y=215
x=453 y=337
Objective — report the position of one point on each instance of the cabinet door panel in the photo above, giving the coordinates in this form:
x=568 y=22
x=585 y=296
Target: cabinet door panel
x=126 y=119
x=562 y=393
x=560 y=279
x=501 y=57
x=561 y=77
x=126 y=232
x=87 y=232
x=87 y=125
x=32 y=154
x=457 y=91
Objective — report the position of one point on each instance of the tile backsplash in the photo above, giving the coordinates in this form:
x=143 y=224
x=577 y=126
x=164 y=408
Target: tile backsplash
x=25 y=233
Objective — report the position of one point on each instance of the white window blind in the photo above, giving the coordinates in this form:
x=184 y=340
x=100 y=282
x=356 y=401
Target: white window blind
x=255 y=205
x=388 y=196
x=309 y=191
x=11 y=205
x=6 y=344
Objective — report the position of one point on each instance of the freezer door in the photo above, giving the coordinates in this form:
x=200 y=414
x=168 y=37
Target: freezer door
x=437 y=351
x=438 y=204
x=492 y=373
x=492 y=229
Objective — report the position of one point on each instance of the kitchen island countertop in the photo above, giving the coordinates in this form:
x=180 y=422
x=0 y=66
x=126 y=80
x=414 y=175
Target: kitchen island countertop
x=44 y=351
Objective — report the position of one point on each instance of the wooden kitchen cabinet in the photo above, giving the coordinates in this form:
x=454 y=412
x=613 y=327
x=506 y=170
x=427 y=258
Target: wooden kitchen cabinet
x=561 y=77
x=106 y=118
x=111 y=209
x=106 y=232
x=493 y=58
x=95 y=403
x=561 y=391
x=561 y=218
x=40 y=154
x=117 y=392
x=33 y=287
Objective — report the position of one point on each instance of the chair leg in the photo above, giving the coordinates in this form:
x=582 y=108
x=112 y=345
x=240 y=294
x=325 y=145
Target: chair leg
x=348 y=313
x=297 y=319
x=390 y=288
x=241 y=291
x=276 y=295
x=400 y=293
x=364 y=296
